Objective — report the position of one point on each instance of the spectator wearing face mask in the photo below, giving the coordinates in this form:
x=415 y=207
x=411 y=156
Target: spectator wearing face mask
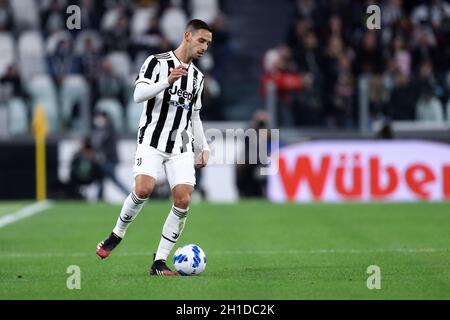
x=104 y=140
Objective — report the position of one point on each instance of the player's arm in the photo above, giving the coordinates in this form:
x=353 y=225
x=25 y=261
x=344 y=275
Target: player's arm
x=146 y=86
x=200 y=142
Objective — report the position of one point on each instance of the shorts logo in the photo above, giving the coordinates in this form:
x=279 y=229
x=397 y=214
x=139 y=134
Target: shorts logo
x=139 y=161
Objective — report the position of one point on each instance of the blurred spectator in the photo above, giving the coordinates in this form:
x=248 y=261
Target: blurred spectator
x=250 y=182
x=10 y=85
x=425 y=49
x=308 y=8
x=403 y=99
x=296 y=34
x=369 y=58
x=308 y=56
x=402 y=57
x=91 y=14
x=151 y=41
x=90 y=59
x=220 y=49
x=392 y=12
x=211 y=97
x=104 y=140
x=332 y=71
x=281 y=70
x=309 y=103
x=433 y=12
x=6 y=22
x=427 y=78
x=117 y=36
x=63 y=61
x=429 y=108
x=108 y=84
x=53 y=13
x=378 y=95
x=343 y=98
x=84 y=169
x=173 y=21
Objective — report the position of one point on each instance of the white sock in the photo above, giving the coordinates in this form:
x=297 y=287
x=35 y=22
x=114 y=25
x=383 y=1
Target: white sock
x=130 y=209
x=171 y=232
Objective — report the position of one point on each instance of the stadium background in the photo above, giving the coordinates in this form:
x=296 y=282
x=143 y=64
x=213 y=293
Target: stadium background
x=312 y=69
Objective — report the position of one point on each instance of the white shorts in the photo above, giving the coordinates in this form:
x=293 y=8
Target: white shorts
x=179 y=168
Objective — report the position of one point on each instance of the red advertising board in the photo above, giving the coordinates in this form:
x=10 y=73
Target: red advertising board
x=362 y=171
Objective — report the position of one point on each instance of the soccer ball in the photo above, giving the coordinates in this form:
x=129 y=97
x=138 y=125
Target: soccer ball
x=189 y=260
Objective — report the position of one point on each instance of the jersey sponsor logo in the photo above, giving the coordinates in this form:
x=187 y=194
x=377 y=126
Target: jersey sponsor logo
x=181 y=93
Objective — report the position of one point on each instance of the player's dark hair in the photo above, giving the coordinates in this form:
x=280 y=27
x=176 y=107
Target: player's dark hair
x=197 y=24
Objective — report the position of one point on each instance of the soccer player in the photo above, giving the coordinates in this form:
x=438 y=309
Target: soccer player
x=169 y=136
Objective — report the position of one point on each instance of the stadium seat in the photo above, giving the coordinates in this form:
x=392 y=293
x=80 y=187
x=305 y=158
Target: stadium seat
x=140 y=20
x=7 y=53
x=17 y=116
x=114 y=110
x=109 y=19
x=205 y=10
x=134 y=111
x=43 y=91
x=75 y=90
x=173 y=22
x=53 y=41
x=121 y=63
x=25 y=14
x=81 y=38
x=31 y=55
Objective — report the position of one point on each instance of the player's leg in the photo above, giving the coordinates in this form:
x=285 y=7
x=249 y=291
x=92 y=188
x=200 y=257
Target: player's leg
x=175 y=220
x=181 y=175
x=144 y=185
x=130 y=209
x=148 y=163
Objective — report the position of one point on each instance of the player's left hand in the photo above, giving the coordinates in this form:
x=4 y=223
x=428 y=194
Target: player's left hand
x=202 y=159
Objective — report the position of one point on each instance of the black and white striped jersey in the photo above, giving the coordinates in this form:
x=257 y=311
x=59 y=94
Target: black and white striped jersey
x=165 y=122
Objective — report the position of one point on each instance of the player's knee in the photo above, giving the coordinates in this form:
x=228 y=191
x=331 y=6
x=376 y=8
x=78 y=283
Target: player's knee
x=182 y=201
x=143 y=192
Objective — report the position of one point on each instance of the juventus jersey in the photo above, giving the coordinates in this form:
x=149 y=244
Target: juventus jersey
x=165 y=122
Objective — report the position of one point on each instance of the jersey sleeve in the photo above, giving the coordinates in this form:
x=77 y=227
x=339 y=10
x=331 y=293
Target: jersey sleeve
x=199 y=96
x=149 y=72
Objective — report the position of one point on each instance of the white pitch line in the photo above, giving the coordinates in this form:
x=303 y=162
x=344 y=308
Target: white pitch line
x=24 y=212
x=241 y=252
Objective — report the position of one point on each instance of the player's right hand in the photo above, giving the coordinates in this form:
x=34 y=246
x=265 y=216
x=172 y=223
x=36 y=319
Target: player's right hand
x=175 y=74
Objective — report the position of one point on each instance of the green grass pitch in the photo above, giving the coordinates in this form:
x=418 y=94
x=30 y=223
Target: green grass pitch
x=255 y=250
